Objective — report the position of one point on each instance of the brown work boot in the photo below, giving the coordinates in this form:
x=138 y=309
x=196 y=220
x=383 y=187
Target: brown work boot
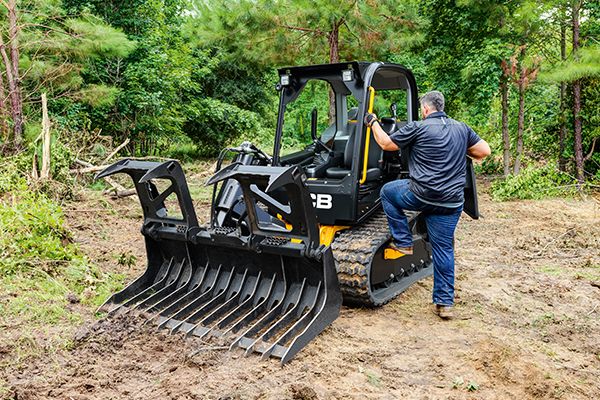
x=404 y=250
x=444 y=312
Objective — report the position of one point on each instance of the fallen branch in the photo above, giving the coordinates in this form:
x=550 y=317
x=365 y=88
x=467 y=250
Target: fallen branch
x=117 y=191
x=85 y=170
x=115 y=151
x=123 y=193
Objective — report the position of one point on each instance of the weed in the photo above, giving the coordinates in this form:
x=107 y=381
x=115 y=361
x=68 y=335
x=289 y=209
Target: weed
x=551 y=270
x=543 y=320
x=126 y=259
x=472 y=386
x=373 y=378
x=458 y=382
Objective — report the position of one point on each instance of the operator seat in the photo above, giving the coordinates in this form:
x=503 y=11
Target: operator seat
x=374 y=157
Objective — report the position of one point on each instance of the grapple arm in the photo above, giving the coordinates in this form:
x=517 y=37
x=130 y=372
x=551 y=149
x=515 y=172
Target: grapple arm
x=270 y=291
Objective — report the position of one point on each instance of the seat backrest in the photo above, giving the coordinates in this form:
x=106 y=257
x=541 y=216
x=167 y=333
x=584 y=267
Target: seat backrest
x=375 y=153
x=349 y=149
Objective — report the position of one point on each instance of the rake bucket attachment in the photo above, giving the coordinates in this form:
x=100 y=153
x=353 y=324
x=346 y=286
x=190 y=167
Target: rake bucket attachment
x=270 y=291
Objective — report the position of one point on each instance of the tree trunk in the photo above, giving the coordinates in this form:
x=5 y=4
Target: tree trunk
x=505 y=133
x=520 y=125
x=4 y=133
x=13 y=45
x=12 y=74
x=334 y=57
x=562 y=133
x=45 y=171
x=577 y=99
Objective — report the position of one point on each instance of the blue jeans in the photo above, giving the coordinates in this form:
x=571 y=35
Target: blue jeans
x=441 y=224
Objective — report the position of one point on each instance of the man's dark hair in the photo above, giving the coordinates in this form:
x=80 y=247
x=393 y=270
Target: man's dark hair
x=433 y=99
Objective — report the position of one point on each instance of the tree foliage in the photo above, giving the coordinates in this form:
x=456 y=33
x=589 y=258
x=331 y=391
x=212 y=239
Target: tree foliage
x=200 y=74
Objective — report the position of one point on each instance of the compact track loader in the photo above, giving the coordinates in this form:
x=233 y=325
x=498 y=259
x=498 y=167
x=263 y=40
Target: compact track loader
x=291 y=235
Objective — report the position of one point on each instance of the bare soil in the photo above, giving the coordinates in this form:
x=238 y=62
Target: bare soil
x=527 y=326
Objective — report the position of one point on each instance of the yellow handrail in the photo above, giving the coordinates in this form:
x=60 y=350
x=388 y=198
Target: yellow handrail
x=363 y=179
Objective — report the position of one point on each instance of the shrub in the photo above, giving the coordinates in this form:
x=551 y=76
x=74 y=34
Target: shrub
x=534 y=182
x=214 y=125
x=39 y=263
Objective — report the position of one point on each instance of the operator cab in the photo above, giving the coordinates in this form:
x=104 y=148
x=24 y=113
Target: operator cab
x=320 y=128
x=323 y=119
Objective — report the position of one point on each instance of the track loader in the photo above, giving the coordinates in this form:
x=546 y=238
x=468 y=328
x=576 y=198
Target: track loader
x=291 y=235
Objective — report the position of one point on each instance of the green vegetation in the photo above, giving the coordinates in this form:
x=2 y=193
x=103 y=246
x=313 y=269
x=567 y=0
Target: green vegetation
x=535 y=182
x=40 y=266
x=184 y=78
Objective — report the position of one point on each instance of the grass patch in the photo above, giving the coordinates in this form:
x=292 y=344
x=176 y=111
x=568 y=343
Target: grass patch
x=585 y=272
x=551 y=270
x=42 y=271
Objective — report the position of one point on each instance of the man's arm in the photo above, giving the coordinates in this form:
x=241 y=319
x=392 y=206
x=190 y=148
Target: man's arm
x=381 y=137
x=480 y=150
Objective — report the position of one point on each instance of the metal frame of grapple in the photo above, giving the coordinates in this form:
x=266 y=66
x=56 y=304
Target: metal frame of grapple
x=262 y=291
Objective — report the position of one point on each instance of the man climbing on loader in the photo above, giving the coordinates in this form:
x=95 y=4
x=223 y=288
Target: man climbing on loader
x=438 y=145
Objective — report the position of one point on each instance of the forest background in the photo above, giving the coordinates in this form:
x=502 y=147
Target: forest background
x=184 y=78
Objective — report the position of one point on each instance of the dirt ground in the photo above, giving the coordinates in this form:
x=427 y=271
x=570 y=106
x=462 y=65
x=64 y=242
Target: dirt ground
x=527 y=326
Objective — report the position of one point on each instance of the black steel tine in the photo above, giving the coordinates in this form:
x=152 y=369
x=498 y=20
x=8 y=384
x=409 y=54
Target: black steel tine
x=275 y=303
x=183 y=303
x=222 y=308
x=182 y=286
x=305 y=312
x=182 y=279
x=180 y=295
x=145 y=291
x=231 y=315
x=281 y=322
x=184 y=294
x=269 y=316
x=218 y=296
x=252 y=314
x=170 y=284
x=184 y=312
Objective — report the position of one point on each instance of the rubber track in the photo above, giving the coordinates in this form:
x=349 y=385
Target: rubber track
x=353 y=250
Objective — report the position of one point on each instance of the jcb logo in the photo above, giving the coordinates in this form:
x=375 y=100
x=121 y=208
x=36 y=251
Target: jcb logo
x=323 y=201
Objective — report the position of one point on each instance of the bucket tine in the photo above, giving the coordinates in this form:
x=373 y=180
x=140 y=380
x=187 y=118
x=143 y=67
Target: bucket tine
x=293 y=300
x=277 y=305
x=179 y=318
x=162 y=276
x=218 y=294
x=170 y=285
x=201 y=329
x=181 y=295
x=181 y=287
x=304 y=312
x=246 y=302
x=263 y=294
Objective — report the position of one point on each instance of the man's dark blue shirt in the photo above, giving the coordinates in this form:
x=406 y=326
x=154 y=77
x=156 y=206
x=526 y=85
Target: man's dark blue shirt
x=437 y=163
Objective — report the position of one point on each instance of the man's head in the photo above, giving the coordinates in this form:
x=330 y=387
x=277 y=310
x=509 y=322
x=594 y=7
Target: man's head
x=431 y=102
